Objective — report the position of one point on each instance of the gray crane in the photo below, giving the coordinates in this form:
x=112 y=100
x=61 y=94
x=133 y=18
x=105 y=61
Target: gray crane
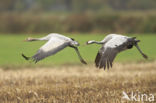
x=113 y=44
x=56 y=42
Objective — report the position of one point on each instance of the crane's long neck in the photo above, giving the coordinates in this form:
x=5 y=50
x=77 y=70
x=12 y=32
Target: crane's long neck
x=98 y=42
x=36 y=39
x=95 y=42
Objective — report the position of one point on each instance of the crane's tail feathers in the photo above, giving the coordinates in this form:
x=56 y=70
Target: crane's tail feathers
x=25 y=57
x=34 y=60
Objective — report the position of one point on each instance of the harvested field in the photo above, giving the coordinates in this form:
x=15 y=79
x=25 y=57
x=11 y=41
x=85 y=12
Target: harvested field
x=77 y=84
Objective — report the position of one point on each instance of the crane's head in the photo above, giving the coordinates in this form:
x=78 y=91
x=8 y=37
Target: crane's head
x=29 y=39
x=90 y=42
x=74 y=43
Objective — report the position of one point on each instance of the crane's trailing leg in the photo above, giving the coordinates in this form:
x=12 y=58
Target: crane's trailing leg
x=29 y=58
x=25 y=57
x=78 y=53
x=144 y=55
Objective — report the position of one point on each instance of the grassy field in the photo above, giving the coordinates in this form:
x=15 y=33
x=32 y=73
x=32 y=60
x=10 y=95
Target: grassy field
x=56 y=79
x=13 y=45
x=78 y=84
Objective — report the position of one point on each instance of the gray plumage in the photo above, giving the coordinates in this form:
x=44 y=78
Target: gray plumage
x=111 y=46
x=56 y=42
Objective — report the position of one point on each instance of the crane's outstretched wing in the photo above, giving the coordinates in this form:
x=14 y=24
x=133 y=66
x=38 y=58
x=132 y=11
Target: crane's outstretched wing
x=108 y=52
x=53 y=46
x=105 y=57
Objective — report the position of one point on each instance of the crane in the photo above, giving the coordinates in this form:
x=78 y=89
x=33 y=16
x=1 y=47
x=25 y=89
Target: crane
x=113 y=44
x=55 y=43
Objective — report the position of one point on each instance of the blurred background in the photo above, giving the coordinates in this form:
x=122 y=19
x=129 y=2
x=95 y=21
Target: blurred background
x=81 y=19
x=68 y=16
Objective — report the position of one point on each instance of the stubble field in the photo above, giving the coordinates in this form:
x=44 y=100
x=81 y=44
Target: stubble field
x=77 y=83
x=62 y=79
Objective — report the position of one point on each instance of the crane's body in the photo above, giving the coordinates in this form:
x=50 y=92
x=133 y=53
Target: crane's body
x=112 y=44
x=56 y=42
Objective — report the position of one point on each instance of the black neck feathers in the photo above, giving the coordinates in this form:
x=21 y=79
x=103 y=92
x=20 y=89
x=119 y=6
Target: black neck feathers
x=129 y=46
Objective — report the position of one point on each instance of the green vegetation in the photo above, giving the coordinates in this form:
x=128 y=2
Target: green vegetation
x=75 y=5
x=123 y=22
x=68 y=16
x=13 y=45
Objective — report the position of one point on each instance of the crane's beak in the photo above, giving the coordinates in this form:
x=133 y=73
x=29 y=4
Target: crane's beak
x=28 y=39
x=87 y=43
